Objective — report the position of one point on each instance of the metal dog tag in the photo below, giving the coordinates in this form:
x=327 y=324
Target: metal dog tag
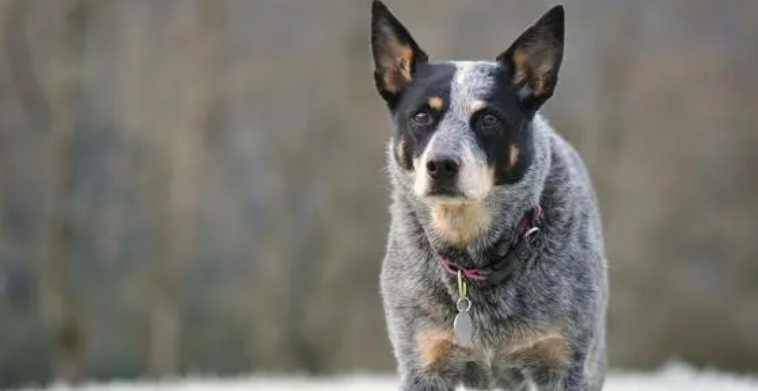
x=463 y=327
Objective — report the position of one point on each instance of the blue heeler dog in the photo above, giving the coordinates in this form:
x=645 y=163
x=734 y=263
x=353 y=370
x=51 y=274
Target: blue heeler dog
x=495 y=271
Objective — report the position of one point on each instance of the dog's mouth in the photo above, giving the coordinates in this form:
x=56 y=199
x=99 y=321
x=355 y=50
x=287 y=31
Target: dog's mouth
x=447 y=196
x=445 y=191
x=450 y=194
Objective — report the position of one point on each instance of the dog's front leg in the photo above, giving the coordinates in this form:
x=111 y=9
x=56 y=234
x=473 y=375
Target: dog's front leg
x=430 y=361
x=553 y=379
x=419 y=373
x=424 y=382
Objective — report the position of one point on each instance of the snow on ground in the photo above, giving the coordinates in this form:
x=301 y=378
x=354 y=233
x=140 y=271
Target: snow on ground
x=674 y=377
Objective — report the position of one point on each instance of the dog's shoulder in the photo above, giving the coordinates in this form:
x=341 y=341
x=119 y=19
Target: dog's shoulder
x=574 y=228
x=568 y=176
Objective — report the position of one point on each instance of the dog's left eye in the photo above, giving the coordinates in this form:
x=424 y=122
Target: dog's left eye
x=422 y=118
x=489 y=122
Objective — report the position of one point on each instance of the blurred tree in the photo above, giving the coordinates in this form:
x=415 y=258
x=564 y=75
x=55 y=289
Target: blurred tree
x=62 y=312
x=195 y=28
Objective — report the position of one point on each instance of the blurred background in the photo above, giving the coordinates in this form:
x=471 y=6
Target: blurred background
x=196 y=186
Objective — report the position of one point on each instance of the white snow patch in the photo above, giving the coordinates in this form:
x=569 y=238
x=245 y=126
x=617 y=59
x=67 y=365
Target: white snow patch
x=673 y=377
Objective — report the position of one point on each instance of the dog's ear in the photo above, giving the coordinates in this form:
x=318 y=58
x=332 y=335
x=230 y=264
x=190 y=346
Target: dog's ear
x=396 y=54
x=534 y=59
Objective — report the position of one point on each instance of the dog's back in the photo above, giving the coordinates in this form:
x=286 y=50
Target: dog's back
x=495 y=272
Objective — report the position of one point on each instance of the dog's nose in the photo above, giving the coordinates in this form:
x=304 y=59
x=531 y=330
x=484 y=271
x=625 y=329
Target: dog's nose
x=442 y=167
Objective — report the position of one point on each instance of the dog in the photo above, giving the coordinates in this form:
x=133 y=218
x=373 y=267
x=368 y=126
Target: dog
x=494 y=275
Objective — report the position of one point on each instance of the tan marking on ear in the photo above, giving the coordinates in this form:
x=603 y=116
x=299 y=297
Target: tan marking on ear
x=543 y=69
x=397 y=65
x=533 y=76
x=436 y=102
x=460 y=224
x=513 y=155
x=520 y=66
x=546 y=65
x=550 y=349
x=434 y=347
x=477 y=105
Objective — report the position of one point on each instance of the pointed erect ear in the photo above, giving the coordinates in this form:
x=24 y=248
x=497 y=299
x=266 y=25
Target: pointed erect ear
x=396 y=54
x=534 y=59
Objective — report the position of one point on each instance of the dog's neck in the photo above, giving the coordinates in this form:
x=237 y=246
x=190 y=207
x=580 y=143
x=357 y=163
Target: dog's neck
x=476 y=230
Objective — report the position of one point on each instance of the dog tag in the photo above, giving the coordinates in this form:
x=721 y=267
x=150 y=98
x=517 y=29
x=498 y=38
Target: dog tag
x=463 y=328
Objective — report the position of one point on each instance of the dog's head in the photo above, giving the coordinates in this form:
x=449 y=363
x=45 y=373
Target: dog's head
x=463 y=128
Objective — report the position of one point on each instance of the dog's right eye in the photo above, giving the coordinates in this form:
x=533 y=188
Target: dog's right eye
x=422 y=118
x=489 y=122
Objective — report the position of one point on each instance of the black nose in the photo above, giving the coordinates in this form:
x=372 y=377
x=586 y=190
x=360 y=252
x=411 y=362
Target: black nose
x=442 y=167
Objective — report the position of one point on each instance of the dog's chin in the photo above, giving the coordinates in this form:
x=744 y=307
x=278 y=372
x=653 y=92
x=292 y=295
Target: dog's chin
x=446 y=200
x=456 y=218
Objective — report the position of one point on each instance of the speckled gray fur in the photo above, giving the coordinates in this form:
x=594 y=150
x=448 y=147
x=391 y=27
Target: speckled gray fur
x=561 y=291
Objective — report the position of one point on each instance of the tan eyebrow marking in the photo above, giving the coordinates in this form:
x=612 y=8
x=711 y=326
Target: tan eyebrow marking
x=436 y=102
x=477 y=105
x=397 y=65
